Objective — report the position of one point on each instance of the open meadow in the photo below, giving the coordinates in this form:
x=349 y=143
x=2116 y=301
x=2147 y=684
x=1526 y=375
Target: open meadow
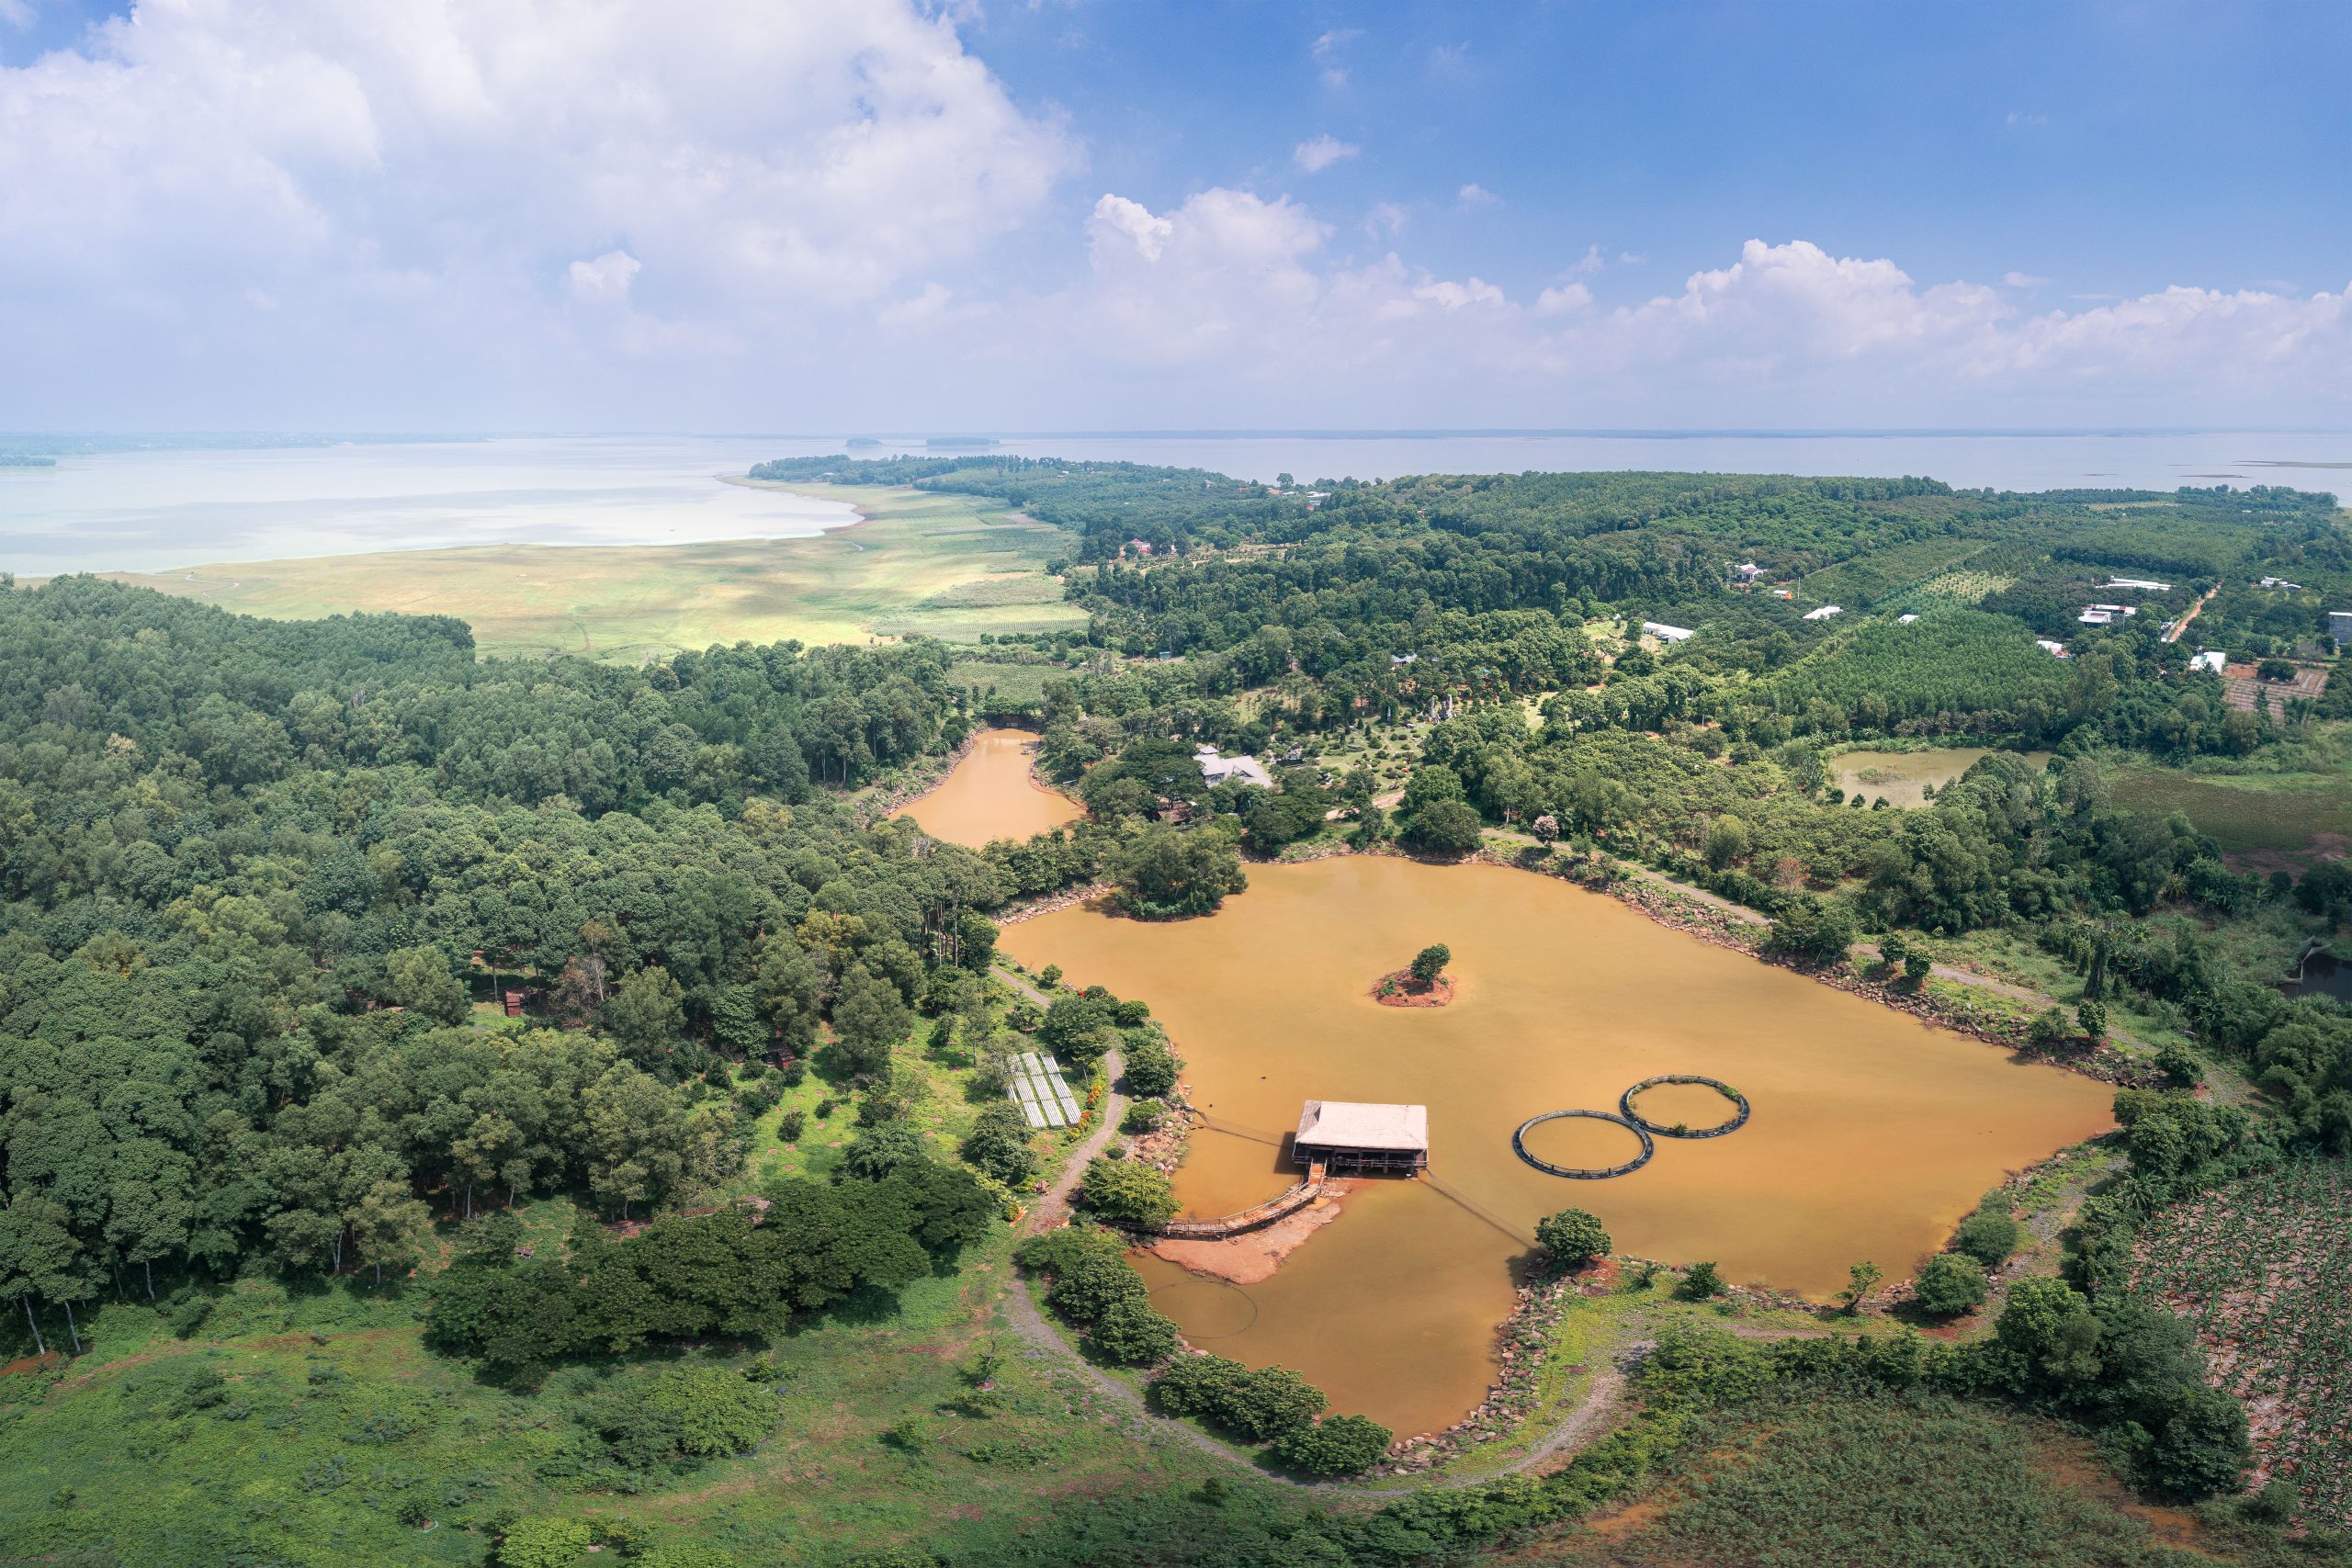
x=945 y=566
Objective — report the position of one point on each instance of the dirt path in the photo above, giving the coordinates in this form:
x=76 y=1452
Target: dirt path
x=1053 y=1206
x=2182 y=624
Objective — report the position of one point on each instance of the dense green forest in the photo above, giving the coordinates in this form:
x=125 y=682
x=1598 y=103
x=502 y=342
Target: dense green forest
x=266 y=883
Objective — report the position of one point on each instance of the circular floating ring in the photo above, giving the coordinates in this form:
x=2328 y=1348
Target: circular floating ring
x=1625 y=1105
x=1583 y=1173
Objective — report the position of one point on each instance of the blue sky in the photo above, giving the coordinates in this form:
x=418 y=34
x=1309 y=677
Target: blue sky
x=726 y=214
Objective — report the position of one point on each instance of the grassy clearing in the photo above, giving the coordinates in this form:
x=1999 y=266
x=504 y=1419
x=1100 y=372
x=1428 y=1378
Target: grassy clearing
x=943 y=566
x=306 y=1422
x=1926 y=1482
x=1009 y=687
x=338 y=1436
x=2243 y=812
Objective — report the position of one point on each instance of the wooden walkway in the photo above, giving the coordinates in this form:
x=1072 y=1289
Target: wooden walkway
x=1265 y=1214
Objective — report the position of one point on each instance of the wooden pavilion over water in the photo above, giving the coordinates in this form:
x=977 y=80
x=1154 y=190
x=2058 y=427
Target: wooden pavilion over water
x=1346 y=1134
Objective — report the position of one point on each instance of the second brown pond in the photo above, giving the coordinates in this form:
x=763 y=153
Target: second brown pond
x=992 y=794
x=1872 y=1133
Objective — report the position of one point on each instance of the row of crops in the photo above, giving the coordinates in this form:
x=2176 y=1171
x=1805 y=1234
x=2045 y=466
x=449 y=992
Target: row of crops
x=2260 y=1266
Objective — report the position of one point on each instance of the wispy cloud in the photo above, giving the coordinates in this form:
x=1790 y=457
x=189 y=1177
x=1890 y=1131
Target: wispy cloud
x=1322 y=153
x=1385 y=221
x=1476 y=196
x=2021 y=121
x=1327 y=49
x=2024 y=280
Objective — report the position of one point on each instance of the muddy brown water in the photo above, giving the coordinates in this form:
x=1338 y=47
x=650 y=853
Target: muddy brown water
x=1872 y=1133
x=1903 y=777
x=990 y=795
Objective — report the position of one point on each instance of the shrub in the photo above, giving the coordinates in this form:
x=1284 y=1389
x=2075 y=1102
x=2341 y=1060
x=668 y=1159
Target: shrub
x=1336 y=1445
x=1130 y=1333
x=1257 y=1404
x=1702 y=1281
x=1952 y=1283
x=1989 y=1234
x=1088 y=1271
x=1431 y=961
x=791 y=1124
x=1128 y=1190
x=545 y=1544
x=999 y=1143
x=1812 y=931
x=679 y=1416
x=1151 y=1068
x=1573 y=1236
x=1444 y=828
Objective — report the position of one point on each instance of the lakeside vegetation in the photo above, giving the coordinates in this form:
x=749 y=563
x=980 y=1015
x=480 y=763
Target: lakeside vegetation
x=274 y=1154
x=918 y=565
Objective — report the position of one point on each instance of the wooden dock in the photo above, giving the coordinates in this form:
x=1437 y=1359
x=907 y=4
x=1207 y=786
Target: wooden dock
x=1265 y=1214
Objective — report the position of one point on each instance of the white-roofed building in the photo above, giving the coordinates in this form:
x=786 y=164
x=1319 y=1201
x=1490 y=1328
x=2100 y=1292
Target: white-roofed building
x=1360 y=1136
x=1217 y=769
x=1665 y=632
x=2211 y=658
x=1824 y=612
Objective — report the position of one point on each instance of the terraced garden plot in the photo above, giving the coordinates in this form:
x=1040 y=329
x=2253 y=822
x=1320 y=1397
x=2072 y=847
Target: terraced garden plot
x=2259 y=1266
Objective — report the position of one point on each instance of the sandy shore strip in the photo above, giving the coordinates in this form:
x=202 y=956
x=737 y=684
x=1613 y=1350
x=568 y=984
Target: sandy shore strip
x=1251 y=1257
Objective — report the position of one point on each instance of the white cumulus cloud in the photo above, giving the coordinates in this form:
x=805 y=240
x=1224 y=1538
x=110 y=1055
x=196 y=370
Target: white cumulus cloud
x=1320 y=153
x=405 y=180
x=605 y=278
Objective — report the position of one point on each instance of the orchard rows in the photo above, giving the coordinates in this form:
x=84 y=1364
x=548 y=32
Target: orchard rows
x=2259 y=1266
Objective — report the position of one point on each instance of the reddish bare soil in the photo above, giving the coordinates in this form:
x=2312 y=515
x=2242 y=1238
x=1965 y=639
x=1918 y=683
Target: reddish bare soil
x=1401 y=991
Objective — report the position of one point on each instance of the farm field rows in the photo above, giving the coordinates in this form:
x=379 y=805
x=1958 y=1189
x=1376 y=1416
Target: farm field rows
x=2258 y=1266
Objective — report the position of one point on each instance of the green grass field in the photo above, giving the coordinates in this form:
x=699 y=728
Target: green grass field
x=945 y=565
x=1926 y=1482
x=1021 y=686
x=305 y=1422
x=2240 y=812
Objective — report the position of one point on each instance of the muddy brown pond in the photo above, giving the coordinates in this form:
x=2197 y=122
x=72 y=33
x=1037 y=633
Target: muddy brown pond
x=1902 y=777
x=990 y=795
x=1872 y=1133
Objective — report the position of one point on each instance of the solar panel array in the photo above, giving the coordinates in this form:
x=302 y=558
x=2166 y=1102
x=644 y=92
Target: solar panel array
x=1037 y=1087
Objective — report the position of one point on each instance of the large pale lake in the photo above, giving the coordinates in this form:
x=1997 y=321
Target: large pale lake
x=1872 y=1133
x=165 y=506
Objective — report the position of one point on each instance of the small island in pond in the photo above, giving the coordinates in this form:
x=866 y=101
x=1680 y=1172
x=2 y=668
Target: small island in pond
x=1421 y=984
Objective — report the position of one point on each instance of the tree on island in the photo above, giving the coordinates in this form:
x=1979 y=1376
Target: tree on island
x=1428 y=964
x=1574 y=1236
